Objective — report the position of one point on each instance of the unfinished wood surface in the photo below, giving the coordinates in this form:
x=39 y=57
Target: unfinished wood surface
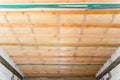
x=63 y=12
x=88 y=44
x=59 y=70
x=49 y=25
x=66 y=42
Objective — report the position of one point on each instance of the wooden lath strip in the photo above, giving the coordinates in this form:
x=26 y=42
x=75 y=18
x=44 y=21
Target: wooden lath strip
x=29 y=67
x=59 y=44
x=64 y=72
x=32 y=56
x=55 y=60
x=56 y=69
x=83 y=61
x=39 y=68
x=60 y=24
x=63 y=51
x=64 y=12
x=73 y=71
x=20 y=61
x=57 y=75
x=67 y=61
x=42 y=64
x=61 y=71
x=106 y=36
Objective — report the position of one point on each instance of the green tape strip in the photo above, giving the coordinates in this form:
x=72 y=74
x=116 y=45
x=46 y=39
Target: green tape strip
x=89 y=5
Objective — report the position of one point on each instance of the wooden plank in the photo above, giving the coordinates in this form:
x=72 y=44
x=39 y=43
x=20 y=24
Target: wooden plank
x=64 y=12
x=32 y=56
x=39 y=68
x=106 y=36
x=85 y=25
x=62 y=72
x=55 y=69
x=105 y=51
x=57 y=75
x=59 y=44
x=24 y=60
x=41 y=64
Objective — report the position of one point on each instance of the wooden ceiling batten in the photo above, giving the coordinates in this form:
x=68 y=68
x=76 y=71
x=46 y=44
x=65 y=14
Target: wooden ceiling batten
x=21 y=61
x=78 y=68
x=60 y=64
x=59 y=56
x=62 y=25
x=65 y=51
x=62 y=35
x=60 y=44
x=54 y=12
x=60 y=75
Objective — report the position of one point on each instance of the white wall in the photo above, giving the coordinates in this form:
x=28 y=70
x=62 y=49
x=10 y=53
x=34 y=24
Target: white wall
x=5 y=74
x=114 y=74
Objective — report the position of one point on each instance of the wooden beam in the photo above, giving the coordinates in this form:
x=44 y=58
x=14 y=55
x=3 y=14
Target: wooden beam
x=58 y=75
x=39 y=68
x=62 y=72
x=58 y=69
x=23 y=61
x=105 y=51
x=9 y=67
x=64 y=12
x=85 y=25
x=106 y=36
x=60 y=64
x=32 y=56
x=59 y=44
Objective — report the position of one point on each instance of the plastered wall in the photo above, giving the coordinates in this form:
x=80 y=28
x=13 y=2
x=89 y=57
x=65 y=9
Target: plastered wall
x=114 y=74
x=5 y=73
